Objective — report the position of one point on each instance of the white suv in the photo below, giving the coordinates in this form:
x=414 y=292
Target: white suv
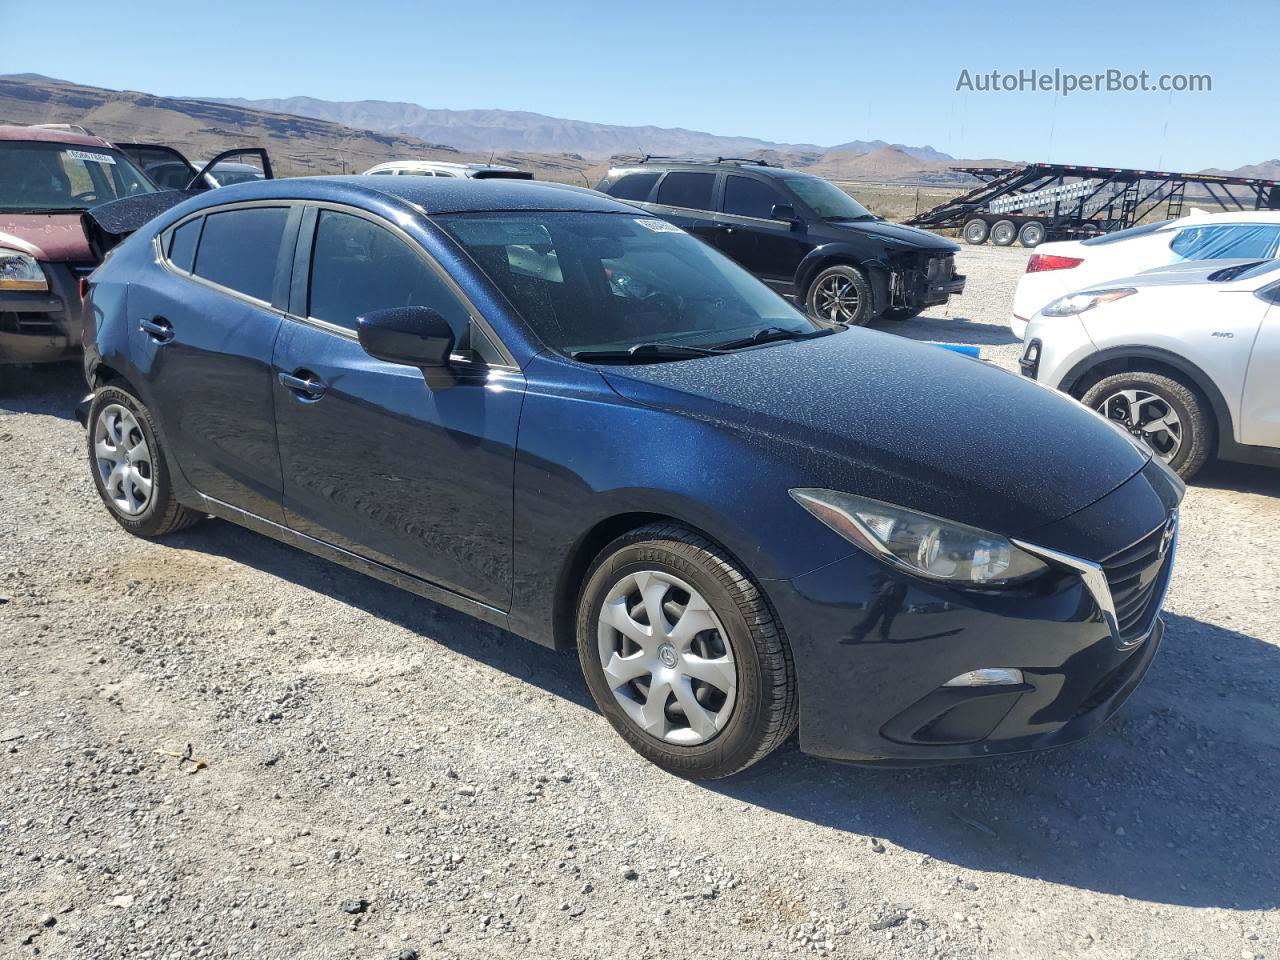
x=1185 y=358
x=440 y=168
x=1058 y=268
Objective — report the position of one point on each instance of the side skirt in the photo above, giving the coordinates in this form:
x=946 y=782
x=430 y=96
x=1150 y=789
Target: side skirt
x=352 y=561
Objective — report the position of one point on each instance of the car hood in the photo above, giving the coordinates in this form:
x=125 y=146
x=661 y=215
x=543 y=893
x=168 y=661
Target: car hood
x=921 y=239
x=1188 y=271
x=904 y=422
x=51 y=237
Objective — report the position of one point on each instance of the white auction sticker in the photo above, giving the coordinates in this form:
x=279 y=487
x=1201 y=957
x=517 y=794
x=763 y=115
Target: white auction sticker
x=91 y=157
x=659 y=226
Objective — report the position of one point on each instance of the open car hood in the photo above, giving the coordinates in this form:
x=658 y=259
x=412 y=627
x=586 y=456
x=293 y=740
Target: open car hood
x=109 y=223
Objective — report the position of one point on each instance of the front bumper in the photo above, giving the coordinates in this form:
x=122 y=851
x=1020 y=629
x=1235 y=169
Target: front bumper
x=43 y=326
x=874 y=648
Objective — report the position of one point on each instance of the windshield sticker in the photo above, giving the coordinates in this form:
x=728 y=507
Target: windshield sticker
x=659 y=226
x=91 y=157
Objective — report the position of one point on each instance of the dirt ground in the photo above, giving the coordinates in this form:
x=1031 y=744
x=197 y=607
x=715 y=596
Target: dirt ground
x=386 y=778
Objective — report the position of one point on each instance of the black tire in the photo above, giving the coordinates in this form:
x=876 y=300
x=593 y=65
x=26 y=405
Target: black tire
x=1003 y=233
x=975 y=231
x=162 y=513
x=901 y=313
x=1032 y=234
x=1197 y=428
x=766 y=709
x=844 y=277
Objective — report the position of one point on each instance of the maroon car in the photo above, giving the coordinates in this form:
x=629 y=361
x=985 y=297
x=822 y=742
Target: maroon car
x=49 y=176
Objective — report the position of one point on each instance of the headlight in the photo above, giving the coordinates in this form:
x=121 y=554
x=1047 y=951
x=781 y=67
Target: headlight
x=1074 y=303
x=19 y=271
x=926 y=546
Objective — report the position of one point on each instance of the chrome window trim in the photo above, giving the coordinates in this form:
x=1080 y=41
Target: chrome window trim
x=1095 y=578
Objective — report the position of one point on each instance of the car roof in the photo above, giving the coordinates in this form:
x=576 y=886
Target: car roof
x=436 y=165
x=52 y=135
x=707 y=166
x=429 y=195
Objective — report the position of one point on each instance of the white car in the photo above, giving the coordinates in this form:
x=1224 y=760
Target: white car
x=1058 y=268
x=439 y=168
x=1186 y=358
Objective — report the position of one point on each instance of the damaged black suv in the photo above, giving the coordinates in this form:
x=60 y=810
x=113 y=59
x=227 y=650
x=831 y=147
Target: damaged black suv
x=800 y=234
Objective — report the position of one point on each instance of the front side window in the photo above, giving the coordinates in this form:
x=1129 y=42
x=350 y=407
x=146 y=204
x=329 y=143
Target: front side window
x=358 y=266
x=633 y=186
x=38 y=177
x=1228 y=241
x=691 y=190
x=600 y=281
x=826 y=199
x=239 y=249
x=746 y=197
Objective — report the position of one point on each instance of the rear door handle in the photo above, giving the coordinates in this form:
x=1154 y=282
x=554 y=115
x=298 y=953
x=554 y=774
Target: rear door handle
x=160 y=329
x=308 y=385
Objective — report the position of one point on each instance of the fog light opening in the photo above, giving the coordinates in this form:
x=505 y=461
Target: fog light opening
x=987 y=677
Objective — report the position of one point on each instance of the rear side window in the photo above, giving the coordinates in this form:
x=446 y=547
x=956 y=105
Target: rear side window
x=182 y=244
x=687 y=190
x=745 y=197
x=239 y=249
x=358 y=266
x=634 y=186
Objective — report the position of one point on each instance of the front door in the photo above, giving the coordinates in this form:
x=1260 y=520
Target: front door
x=1260 y=404
x=374 y=462
x=769 y=248
x=205 y=332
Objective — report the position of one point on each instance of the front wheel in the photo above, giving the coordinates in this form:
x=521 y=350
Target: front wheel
x=840 y=294
x=975 y=231
x=683 y=654
x=129 y=468
x=1164 y=413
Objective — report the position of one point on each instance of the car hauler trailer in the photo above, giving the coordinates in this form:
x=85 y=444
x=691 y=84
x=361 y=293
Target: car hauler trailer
x=1055 y=201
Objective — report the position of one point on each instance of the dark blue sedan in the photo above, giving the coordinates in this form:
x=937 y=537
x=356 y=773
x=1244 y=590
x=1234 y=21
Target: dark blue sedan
x=544 y=408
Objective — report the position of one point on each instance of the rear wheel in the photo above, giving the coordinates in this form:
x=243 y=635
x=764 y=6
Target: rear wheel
x=975 y=231
x=840 y=294
x=129 y=468
x=683 y=654
x=1167 y=415
x=1032 y=234
x=1003 y=233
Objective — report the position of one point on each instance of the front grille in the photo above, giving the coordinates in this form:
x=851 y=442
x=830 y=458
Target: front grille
x=30 y=324
x=1137 y=577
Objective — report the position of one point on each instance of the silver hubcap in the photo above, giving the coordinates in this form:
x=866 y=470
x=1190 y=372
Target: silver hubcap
x=975 y=232
x=123 y=459
x=1002 y=233
x=836 y=298
x=667 y=659
x=1148 y=417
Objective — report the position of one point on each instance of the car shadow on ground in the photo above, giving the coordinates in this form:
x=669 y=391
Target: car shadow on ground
x=949 y=330
x=1170 y=803
x=52 y=390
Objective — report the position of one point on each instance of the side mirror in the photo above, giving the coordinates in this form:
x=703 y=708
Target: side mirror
x=785 y=211
x=414 y=336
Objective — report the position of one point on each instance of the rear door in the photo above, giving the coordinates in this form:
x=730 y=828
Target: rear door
x=170 y=170
x=206 y=329
x=687 y=199
x=374 y=461
x=1260 y=403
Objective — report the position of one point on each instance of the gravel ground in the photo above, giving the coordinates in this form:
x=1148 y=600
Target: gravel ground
x=385 y=778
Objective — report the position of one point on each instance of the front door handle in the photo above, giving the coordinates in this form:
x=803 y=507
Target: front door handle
x=308 y=385
x=160 y=329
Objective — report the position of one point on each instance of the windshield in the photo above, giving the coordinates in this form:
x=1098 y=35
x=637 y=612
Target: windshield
x=604 y=281
x=826 y=199
x=60 y=177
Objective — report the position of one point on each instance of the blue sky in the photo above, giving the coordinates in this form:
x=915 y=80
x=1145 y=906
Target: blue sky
x=796 y=72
